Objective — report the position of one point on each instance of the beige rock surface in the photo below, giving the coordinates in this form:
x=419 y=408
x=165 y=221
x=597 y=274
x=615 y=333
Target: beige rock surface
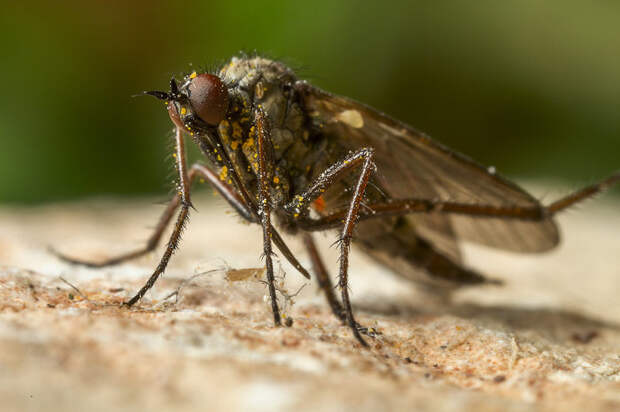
x=548 y=340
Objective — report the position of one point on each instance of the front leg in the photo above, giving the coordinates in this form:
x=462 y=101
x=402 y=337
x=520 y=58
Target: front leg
x=264 y=206
x=183 y=194
x=300 y=204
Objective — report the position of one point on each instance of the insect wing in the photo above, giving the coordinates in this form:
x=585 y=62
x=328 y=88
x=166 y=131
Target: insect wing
x=412 y=165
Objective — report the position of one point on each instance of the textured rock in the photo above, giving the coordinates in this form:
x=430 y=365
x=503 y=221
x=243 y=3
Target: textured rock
x=548 y=340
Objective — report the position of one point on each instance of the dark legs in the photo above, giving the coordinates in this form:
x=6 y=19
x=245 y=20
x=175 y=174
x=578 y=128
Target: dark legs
x=195 y=171
x=347 y=235
x=322 y=276
x=184 y=199
x=264 y=208
x=400 y=207
x=363 y=159
x=151 y=243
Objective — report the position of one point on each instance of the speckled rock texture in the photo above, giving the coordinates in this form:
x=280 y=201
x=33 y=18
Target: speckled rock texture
x=547 y=340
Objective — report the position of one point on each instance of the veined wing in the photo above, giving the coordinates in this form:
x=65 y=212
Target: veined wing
x=411 y=164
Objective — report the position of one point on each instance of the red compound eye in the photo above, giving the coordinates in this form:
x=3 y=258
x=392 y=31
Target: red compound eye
x=209 y=98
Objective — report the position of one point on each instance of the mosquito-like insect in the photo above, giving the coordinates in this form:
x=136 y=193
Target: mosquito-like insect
x=278 y=147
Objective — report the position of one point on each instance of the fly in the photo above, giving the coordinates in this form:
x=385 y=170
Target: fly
x=286 y=154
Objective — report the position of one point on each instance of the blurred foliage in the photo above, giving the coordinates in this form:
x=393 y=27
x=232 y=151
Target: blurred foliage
x=531 y=87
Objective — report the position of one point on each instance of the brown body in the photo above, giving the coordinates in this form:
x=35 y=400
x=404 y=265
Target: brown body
x=311 y=129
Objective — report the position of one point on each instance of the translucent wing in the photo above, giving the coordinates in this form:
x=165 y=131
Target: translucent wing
x=410 y=164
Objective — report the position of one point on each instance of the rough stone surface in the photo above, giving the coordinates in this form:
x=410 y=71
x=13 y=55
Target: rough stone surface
x=547 y=340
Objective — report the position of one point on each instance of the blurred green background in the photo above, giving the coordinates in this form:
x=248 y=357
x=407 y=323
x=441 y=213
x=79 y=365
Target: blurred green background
x=531 y=87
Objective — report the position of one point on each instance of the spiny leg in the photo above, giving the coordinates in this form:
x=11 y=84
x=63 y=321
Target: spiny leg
x=347 y=235
x=183 y=193
x=583 y=194
x=299 y=205
x=150 y=245
x=243 y=196
x=196 y=170
x=264 y=206
x=400 y=207
x=320 y=271
x=327 y=287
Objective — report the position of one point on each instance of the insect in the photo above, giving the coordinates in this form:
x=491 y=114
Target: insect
x=280 y=150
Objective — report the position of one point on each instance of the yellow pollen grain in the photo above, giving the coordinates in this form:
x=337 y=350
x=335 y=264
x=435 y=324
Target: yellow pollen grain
x=234 y=144
x=276 y=179
x=202 y=180
x=219 y=158
x=183 y=111
x=223 y=173
x=193 y=75
x=237 y=131
x=249 y=144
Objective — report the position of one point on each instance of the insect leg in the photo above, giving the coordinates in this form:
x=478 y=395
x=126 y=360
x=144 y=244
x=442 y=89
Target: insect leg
x=322 y=276
x=229 y=193
x=252 y=208
x=264 y=207
x=347 y=234
x=184 y=199
x=326 y=285
x=361 y=158
x=401 y=207
x=583 y=194
x=151 y=243
x=197 y=169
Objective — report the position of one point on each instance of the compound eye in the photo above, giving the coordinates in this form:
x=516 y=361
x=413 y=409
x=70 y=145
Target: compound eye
x=209 y=98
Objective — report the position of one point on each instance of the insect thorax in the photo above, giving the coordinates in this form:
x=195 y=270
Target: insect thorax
x=254 y=82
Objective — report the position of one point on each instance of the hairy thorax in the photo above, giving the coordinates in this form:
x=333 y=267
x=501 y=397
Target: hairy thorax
x=254 y=82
